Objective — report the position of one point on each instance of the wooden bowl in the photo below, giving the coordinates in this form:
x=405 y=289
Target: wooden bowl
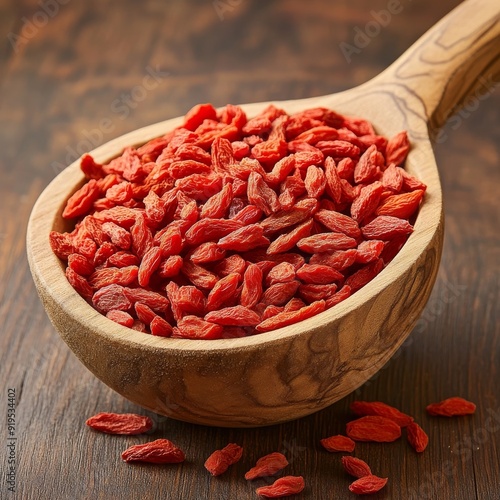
x=294 y=371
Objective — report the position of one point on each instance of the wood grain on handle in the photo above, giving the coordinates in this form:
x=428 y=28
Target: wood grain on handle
x=458 y=57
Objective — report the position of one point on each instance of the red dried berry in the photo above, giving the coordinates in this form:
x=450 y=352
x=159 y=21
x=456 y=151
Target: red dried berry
x=373 y=428
x=268 y=465
x=363 y=408
x=338 y=443
x=356 y=467
x=367 y=485
x=120 y=423
x=417 y=437
x=451 y=407
x=282 y=487
x=220 y=460
x=161 y=451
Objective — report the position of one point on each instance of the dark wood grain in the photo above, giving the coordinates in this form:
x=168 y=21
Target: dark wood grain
x=67 y=86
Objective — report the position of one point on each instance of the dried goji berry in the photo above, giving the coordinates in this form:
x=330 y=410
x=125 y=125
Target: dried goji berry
x=337 y=222
x=280 y=293
x=170 y=267
x=367 y=485
x=261 y=195
x=120 y=423
x=364 y=275
x=366 y=169
x=356 y=467
x=401 y=205
x=338 y=443
x=144 y=313
x=281 y=273
x=315 y=181
x=198 y=275
x=142 y=239
x=341 y=295
x=244 y=239
x=251 y=291
x=326 y=242
x=268 y=465
x=160 y=327
x=111 y=297
x=367 y=201
x=80 y=264
x=80 y=202
x=287 y=241
x=192 y=327
x=161 y=451
x=224 y=291
x=210 y=230
x=232 y=264
x=123 y=259
x=282 y=487
x=373 y=428
x=312 y=293
x=318 y=274
x=196 y=115
x=248 y=215
x=363 y=408
x=220 y=460
x=417 y=437
x=62 y=244
x=216 y=206
x=397 y=148
x=79 y=283
x=385 y=227
x=369 y=250
x=149 y=264
x=286 y=318
x=154 y=300
x=392 y=178
x=233 y=316
x=121 y=317
x=451 y=407
x=113 y=275
x=339 y=259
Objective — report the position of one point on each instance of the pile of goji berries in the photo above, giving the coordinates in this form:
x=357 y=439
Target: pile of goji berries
x=227 y=227
x=377 y=422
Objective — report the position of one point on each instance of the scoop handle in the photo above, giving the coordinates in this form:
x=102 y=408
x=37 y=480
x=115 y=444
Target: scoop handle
x=455 y=63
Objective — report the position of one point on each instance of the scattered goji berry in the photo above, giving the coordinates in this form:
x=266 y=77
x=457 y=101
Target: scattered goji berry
x=363 y=408
x=451 y=407
x=373 y=428
x=367 y=485
x=338 y=443
x=356 y=467
x=120 y=423
x=282 y=487
x=220 y=460
x=417 y=437
x=268 y=465
x=161 y=451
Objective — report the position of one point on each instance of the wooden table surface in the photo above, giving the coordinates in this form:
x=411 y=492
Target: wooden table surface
x=77 y=74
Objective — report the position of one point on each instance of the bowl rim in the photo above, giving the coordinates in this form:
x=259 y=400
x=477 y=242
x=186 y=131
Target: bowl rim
x=43 y=262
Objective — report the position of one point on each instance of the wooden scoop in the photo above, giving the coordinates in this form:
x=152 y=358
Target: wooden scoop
x=293 y=371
